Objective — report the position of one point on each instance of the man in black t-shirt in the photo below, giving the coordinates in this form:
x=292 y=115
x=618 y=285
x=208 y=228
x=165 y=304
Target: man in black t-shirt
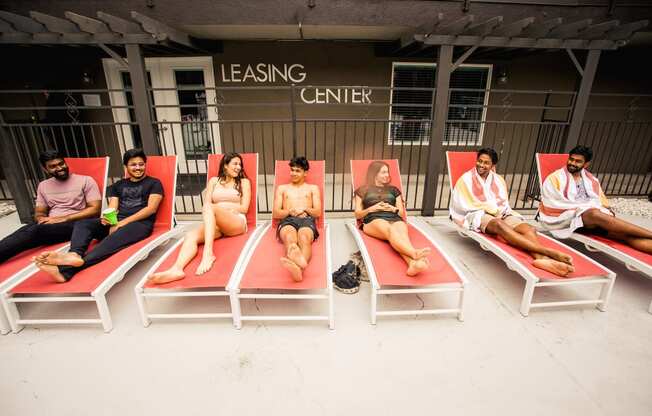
x=136 y=199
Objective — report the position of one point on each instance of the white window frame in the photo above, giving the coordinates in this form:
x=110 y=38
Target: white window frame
x=162 y=75
x=392 y=142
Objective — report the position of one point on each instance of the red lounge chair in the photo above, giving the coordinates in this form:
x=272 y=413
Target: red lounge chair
x=263 y=277
x=586 y=271
x=92 y=284
x=17 y=268
x=633 y=259
x=386 y=268
x=229 y=251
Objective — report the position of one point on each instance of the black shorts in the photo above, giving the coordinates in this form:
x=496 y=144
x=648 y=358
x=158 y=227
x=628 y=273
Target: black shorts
x=298 y=223
x=381 y=215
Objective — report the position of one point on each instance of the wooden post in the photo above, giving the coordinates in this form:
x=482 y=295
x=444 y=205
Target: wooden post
x=582 y=99
x=437 y=128
x=14 y=176
x=142 y=104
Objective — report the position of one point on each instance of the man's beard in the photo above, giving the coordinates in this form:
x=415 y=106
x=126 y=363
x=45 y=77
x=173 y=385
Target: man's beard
x=573 y=169
x=61 y=177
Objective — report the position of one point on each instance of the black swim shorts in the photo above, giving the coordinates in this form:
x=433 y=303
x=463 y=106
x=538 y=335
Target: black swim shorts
x=298 y=223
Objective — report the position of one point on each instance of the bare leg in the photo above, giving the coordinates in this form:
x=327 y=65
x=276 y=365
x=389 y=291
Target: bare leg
x=540 y=261
x=640 y=244
x=498 y=227
x=290 y=239
x=596 y=218
x=306 y=238
x=398 y=238
x=188 y=252
x=211 y=232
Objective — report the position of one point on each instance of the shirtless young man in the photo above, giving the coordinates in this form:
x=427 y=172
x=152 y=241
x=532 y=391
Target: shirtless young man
x=572 y=199
x=296 y=205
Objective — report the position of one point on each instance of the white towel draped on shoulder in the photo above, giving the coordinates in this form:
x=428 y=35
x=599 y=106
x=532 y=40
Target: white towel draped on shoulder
x=560 y=211
x=474 y=197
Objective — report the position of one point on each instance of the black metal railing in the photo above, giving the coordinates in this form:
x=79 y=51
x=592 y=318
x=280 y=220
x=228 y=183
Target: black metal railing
x=279 y=122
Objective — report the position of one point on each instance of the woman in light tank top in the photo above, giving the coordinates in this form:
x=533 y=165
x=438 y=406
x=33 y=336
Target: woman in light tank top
x=226 y=202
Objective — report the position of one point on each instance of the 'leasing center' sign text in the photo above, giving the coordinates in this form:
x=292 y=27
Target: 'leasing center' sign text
x=296 y=74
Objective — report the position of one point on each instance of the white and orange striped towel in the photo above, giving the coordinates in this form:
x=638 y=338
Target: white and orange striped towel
x=560 y=211
x=474 y=197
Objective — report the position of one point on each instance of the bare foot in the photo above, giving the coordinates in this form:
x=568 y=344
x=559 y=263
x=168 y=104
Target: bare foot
x=52 y=271
x=562 y=257
x=40 y=258
x=417 y=266
x=422 y=252
x=294 y=254
x=553 y=266
x=169 y=275
x=54 y=258
x=205 y=264
x=293 y=268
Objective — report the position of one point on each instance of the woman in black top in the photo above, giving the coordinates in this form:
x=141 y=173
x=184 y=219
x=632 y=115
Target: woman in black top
x=380 y=207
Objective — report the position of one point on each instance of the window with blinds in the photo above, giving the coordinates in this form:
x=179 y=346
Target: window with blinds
x=411 y=103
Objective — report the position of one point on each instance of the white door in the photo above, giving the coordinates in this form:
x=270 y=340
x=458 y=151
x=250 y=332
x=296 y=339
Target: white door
x=183 y=90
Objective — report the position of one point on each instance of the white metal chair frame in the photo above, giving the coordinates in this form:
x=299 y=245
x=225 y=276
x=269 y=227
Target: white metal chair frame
x=142 y=293
x=9 y=302
x=532 y=281
x=377 y=289
x=593 y=245
x=238 y=294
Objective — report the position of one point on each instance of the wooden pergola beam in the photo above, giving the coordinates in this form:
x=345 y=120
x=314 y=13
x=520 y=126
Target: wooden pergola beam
x=626 y=30
x=513 y=29
x=569 y=30
x=408 y=39
x=120 y=25
x=598 y=30
x=22 y=23
x=55 y=24
x=161 y=31
x=75 y=39
x=502 y=42
x=87 y=24
x=455 y=27
x=541 y=29
x=484 y=28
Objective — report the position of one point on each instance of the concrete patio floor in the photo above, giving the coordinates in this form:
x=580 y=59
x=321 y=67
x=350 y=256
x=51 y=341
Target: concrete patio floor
x=564 y=361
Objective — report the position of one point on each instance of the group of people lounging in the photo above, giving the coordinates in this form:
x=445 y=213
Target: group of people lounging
x=571 y=200
x=68 y=207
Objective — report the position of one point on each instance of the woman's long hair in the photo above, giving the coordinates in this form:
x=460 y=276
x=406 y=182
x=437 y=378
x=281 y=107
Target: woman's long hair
x=372 y=171
x=221 y=174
